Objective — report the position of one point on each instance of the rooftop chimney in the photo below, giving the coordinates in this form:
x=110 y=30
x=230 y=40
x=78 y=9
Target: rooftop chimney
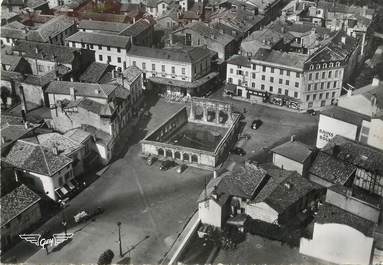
x=343 y=40
x=72 y=93
x=55 y=150
x=292 y=138
x=215 y=174
x=23 y=101
x=375 y=81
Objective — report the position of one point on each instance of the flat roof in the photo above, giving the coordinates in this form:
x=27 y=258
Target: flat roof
x=345 y=115
x=294 y=150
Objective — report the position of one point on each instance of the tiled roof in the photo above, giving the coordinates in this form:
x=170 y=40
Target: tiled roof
x=294 y=150
x=95 y=72
x=64 y=144
x=330 y=168
x=11 y=60
x=91 y=105
x=36 y=158
x=12 y=32
x=7 y=120
x=16 y=202
x=50 y=29
x=180 y=55
x=99 y=136
x=49 y=52
x=78 y=135
x=289 y=191
x=105 y=17
x=98 y=38
x=11 y=133
x=131 y=73
x=281 y=58
x=328 y=213
x=137 y=28
x=362 y=156
x=345 y=115
x=81 y=89
x=40 y=80
x=104 y=26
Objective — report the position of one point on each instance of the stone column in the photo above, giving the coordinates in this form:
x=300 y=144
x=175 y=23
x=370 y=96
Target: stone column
x=205 y=118
x=217 y=115
x=191 y=114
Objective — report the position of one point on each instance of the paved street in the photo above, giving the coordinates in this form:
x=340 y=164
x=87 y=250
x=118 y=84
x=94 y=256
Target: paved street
x=150 y=202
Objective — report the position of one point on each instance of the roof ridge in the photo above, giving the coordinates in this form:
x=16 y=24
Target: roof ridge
x=45 y=160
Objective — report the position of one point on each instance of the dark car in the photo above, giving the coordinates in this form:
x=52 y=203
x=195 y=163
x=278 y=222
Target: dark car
x=256 y=124
x=238 y=151
x=312 y=112
x=165 y=165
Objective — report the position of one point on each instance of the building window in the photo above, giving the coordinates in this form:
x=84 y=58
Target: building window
x=108 y=48
x=310 y=105
x=134 y=63
x=279 y=90
x=314 y=96
x=99 y=47
x=119 y=59
x=336 y=73
x=334 y=85
x=316 y=76
x=262 y=87
x=272 y=79
x=329 y=74
x=287 y=82
x=173 y=70
x=272 y=70
x=252 y=84
x=263 y=68
x=82 y=45
x=40 y=68
x=231 y=70
x=296 y=84
x=230 y=80
x=320 y=96
x=118 y=49
x=100 y=57
x=295 y=94
x=325 y=65
x=109 y=59
x=287 y=72
x=153 y=67
x=365 y=130
x=286 y=92
x=309 y=87
x=307 y=97
x=163 y=68
x=271 y=89
x=143 y=66
x=263 y=77
x=281 y=71
x=328 y=85
x=323 y=75
x=254 y=66
x=327 y=94
x=311 y=67
x=318 y=66
x=183 y=70
x=253 y=75
x=310 y=76
x=74 y=44
x=280 y=81
x=298 y=75
x=337 y=64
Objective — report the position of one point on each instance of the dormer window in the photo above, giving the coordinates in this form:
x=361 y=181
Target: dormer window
x=325 y=65
x=318 y=66
x=311 y=67
x=331 y=65
x=337 y=64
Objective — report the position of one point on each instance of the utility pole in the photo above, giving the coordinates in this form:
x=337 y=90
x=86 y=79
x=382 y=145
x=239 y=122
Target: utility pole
x=119 y=238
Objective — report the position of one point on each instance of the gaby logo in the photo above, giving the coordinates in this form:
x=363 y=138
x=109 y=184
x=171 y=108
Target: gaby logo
x=40 y=241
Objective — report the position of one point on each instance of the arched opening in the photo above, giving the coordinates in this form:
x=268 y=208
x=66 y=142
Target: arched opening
x=185 y=157
x=177 y=155
x=223 y=117
x=169 y=153
x=194 y=159
x=210 y=115
x=160 y=152
x=198 y=112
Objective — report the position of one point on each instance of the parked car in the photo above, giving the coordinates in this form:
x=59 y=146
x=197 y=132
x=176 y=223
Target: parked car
x=256 y=124
x=312 y=112
x=150 y=160
x=181 y=168
x=238 y=151
x=165 y=165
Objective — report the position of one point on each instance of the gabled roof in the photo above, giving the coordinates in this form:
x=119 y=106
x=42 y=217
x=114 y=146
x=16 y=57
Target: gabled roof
x=294 y=150
x=131 y=73
x=13 y=132
x=81 y=89
x=180 y=55
x=239 y=60
x=137 y=28
x=50 y=29
x=65 y=145
x=361 y=156
x=16 y=202
x=331 y=169
x=98 y=38
x=95 y=72
x=36 y=158
x=102 y=26
x=49 y=52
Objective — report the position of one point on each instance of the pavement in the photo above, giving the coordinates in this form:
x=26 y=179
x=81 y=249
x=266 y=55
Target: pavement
x=152 y=205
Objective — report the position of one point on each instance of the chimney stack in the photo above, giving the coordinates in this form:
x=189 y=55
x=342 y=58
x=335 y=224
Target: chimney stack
x=23 y=101
x=72 y=93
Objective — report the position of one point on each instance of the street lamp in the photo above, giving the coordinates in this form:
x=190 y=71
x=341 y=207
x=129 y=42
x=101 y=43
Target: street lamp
x=119 y=237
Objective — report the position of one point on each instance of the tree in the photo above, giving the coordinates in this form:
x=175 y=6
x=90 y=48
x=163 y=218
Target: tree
x=106 y=258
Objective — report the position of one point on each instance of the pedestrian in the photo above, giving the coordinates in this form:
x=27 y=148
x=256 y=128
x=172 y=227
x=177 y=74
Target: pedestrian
x=46 y=248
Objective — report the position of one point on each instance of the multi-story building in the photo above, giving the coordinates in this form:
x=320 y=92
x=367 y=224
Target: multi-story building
x=268 y=75
x=44 y=58
x=108 y=48
x=178 y=71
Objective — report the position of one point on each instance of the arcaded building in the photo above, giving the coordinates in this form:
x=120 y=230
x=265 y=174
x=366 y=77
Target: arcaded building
x=201 y=136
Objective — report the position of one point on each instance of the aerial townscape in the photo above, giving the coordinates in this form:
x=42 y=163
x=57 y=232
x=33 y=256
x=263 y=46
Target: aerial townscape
x=192 y=132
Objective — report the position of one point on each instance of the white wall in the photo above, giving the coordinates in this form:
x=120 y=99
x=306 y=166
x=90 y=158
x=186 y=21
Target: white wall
x=329 y=127
x=287 y=164
x=375 y=137
x=261 y=211
x=357 y=103
x=210 y=213
x=337 y=243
